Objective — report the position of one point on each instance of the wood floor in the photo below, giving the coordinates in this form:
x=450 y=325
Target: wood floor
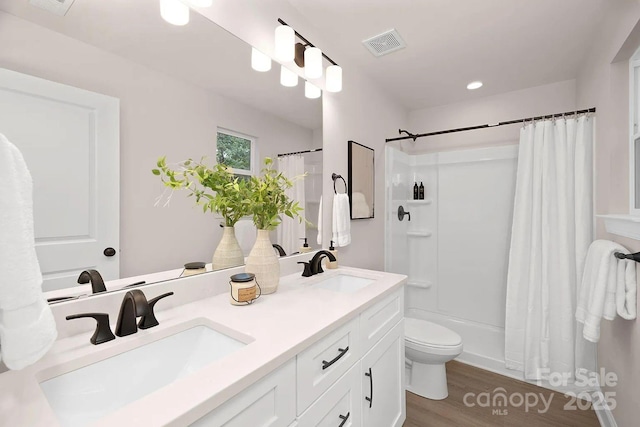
x=464 y=379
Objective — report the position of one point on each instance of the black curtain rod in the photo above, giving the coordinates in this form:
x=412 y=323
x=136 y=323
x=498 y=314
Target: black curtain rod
x=300 y=152
x=307 y=42
x=510 y=122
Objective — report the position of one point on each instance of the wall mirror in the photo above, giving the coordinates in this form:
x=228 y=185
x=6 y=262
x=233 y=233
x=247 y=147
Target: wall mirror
x=117 y=73
x=361 y=184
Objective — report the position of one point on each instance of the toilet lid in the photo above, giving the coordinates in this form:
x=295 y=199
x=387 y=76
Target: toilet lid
x=429 y=333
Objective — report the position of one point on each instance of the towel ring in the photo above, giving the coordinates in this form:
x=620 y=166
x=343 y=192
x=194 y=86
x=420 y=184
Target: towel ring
x=335 y=177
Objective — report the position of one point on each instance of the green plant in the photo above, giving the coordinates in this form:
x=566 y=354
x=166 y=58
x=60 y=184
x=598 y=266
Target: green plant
x=215 y=189
x=267 y=198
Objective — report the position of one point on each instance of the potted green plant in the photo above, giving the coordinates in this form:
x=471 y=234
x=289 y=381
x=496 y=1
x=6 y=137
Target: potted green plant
x=267 y=203
x=217 y=190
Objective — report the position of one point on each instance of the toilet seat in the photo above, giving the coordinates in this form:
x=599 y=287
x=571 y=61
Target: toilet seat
x=428 y=335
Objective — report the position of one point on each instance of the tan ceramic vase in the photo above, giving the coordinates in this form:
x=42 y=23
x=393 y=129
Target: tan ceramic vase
x=262 y=262
x=228 y=253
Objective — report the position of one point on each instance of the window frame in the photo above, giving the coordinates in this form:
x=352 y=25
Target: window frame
x=253 y=157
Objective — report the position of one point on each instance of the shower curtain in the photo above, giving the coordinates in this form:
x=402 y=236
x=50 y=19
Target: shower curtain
x=551 y=232
x=291 y=231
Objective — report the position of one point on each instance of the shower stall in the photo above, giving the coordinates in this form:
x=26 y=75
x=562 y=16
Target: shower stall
x=454 y=244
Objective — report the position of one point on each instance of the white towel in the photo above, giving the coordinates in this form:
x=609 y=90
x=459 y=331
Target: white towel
x=626 y=290
x=341 y=220
x=245 y=231
x=27 y=327
x=360 y=206
x=319 y=238
x=603 y=275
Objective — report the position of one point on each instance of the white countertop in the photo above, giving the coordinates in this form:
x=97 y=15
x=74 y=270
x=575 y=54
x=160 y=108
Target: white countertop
x=282 y=325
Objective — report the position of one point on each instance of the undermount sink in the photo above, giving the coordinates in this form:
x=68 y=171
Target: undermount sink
x=85 y=395
x=345 y=283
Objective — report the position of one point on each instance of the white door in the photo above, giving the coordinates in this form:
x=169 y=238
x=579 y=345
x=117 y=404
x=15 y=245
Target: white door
x=382 y=373
x=70 y=140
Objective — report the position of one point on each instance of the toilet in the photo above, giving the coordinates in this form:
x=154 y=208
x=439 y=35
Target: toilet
x=428 y=346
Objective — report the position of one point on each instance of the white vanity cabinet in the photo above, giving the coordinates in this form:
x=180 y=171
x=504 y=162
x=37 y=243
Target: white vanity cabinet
x=352 y=377
x=271 y=402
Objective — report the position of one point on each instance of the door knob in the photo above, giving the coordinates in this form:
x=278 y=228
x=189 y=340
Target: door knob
x=109 y=252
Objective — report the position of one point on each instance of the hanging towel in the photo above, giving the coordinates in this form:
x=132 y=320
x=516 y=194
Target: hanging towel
x=27 y=327
x=604 y=277
x=626 y=289
x=319 y=238
x=341 y=220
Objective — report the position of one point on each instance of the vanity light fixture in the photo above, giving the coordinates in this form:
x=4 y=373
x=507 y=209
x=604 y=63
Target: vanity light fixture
x=474 y=85
x=260 y=61
x=334 y=78
x=285 y=43
x=174 y=12
x=311 y=91
x=287 y=77
x=307 y=56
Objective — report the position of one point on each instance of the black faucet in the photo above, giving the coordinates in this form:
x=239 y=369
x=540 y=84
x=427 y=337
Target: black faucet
x=133 y=306
x=93 y=276
x=280 y=250
x=315 y=262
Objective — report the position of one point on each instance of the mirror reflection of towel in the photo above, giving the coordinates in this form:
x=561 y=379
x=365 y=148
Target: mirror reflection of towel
x=359 y=206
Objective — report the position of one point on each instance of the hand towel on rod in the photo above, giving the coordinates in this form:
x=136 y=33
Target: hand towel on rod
x=341 y=220
x=27 y=326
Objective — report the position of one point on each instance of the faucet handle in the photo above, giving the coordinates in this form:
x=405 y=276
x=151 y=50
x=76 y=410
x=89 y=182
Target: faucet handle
x=149 y=320
x=307 y=269
x=103 y=330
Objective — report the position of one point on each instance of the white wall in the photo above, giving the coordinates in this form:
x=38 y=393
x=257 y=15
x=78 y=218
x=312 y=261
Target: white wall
x=552 y=98
x=604 y=83
x=159 y=116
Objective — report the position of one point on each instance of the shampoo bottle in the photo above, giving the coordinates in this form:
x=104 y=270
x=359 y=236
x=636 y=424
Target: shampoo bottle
x=334 y=251
x=305 y=248
x=421 y=192
x=415 y=191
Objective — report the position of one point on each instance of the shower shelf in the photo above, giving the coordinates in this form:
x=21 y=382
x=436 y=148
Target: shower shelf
x=419 y=233
x=419 y=202
x=419 y=284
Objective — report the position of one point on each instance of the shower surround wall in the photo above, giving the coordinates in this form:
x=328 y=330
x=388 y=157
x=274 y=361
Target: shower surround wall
x=455 y=248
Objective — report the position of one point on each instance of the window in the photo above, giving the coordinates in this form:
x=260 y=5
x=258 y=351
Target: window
x=236 y=151
x=634 y=133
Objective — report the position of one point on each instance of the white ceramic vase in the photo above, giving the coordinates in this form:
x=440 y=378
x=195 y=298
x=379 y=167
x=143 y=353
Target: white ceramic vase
x=228 y=253
x=262 y=262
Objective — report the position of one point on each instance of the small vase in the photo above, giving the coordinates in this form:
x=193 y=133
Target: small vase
x=262 y=262
x=228 y=253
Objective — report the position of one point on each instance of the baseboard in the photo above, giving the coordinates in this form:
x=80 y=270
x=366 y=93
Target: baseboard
x=604 y=414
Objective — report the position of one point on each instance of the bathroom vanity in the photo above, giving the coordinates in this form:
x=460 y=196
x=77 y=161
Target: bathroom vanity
x=323 y=350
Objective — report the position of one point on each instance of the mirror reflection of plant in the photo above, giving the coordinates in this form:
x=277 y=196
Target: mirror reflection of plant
x=268 y=200
x=215 y=188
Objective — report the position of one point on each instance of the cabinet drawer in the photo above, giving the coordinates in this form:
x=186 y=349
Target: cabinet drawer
x=376 y=321
x=339 y=406
x=268 y=403
x=323 y=363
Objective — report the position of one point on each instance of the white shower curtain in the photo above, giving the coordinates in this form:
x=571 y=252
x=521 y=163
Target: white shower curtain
x=291 y=231
x=552 y=230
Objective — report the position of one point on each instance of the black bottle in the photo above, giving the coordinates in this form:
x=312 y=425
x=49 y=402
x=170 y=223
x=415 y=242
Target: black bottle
x=415 y=191
x=421 y=192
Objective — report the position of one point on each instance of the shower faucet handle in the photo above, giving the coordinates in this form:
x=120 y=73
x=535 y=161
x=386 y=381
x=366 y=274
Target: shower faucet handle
x=402 y=213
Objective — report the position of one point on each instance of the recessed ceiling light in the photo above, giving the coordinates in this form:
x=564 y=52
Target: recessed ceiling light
x=474 y=85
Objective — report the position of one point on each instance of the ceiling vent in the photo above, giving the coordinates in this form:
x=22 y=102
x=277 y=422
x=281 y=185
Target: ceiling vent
x=385 y=43
x=57 y=7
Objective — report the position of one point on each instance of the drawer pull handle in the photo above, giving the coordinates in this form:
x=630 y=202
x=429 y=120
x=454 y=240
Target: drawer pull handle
x=344 y=419
x=342 y=351
x=370 y=375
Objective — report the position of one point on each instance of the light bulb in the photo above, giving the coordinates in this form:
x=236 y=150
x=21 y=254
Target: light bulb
x=174 y=12
x=474 y=85
x=285 y=43
x=287 y=77
x=334 y=78
x=260 y=61
x=312 y=63
x=311 y=91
